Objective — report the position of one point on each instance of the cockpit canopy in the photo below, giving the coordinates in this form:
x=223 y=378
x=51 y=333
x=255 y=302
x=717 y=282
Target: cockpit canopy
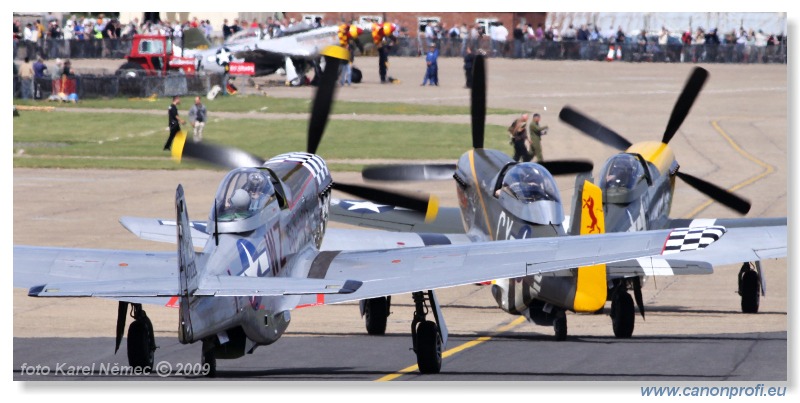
x=243 y=194
x=529 y=192
x=529 y=182
x=620 y=176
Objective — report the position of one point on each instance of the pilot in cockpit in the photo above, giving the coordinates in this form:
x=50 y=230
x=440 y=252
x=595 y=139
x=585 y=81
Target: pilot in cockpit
x=621 y=172
x=250 y=190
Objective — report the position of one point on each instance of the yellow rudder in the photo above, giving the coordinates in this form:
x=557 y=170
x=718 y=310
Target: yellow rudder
x=591 y=289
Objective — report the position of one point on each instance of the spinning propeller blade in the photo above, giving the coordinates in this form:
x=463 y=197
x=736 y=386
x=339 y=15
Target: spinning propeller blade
x=684 y=103
x=717 y=193
x=478 y=101
x=409 y=172
x=322 y=103
x=593 y=128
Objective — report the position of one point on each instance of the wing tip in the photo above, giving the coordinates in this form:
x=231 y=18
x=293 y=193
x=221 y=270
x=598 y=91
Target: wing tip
x=35 y=290
x=350 y=286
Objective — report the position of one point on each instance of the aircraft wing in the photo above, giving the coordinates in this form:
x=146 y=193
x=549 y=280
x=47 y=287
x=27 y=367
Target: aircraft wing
x=726 y=222
x=391 y=218
x=741 y=244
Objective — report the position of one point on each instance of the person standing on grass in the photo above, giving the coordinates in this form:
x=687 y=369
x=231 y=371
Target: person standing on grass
x=175 y=121
x=198 y=116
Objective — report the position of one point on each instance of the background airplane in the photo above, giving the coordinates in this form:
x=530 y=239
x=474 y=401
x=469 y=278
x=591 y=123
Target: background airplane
x=295 y=51
x=501 y=199
x=261 y=259
x=638 y=186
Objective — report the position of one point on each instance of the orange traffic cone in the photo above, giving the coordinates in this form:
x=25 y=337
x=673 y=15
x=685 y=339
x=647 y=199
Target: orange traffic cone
x=610 y=56
x=619 y=53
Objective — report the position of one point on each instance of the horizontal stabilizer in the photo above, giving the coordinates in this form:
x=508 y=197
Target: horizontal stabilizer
x=219 y=286
x=227 y=286
x=143 y=287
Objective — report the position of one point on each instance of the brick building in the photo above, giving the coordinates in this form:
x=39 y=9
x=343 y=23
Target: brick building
x=413 y=23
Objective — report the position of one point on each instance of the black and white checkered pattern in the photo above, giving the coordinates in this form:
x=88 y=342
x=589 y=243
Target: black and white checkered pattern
x=686 y=239
x=312 y=162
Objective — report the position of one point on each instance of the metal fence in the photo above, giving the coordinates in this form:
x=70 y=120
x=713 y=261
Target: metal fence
x=595 y=50
x=99 y=86
x=454 y=47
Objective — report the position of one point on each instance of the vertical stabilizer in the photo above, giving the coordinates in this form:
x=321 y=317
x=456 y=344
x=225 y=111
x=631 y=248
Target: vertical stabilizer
x=188 y=271
x=591 y=289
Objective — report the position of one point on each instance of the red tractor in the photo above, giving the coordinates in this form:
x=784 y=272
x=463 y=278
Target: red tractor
x=152 y=55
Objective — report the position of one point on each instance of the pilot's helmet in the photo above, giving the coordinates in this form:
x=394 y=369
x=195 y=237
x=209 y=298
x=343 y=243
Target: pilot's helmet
x=254 y=183
x=255 y=179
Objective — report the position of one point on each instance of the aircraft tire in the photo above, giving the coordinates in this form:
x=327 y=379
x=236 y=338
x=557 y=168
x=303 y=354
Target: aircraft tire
x=623 y=315
x=429 y=348
x=749 y=288
x=209 y=358
x=376 y=310
x=357 y=76
x=560 y=327
x=140 y=350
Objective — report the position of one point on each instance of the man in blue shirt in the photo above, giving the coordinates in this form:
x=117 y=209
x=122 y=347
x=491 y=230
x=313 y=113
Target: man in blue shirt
x=432 y=71
x=39 y=68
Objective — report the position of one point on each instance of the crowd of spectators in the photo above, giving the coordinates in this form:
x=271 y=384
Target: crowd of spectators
x=90 y=37
x=589 y=42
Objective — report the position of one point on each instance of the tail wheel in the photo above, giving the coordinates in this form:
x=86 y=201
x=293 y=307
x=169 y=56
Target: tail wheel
x=429 y=348
x=376 y=310
x=141 y=353
x=623 y=314
x=749 y=289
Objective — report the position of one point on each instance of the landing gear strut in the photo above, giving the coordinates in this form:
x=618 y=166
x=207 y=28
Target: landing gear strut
x=749 y=288
x=141 y=340
x=375 y=312
x=623 y=313
x=426 y=335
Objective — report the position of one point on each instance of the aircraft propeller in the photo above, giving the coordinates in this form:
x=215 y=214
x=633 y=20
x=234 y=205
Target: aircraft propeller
x=231 y=158
x=691 y=90
x=424 y=172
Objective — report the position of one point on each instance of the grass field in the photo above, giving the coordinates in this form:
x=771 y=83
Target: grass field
x=266 y=104
x=134 y=140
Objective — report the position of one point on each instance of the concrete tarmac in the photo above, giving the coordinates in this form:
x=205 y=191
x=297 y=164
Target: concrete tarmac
x=735 y=137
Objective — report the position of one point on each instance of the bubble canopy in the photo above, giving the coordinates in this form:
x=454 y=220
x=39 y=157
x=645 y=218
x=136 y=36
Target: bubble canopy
x=529 y=182
x=243 y=193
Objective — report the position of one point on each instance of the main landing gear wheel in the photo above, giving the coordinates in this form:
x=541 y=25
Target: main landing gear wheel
x=749 y=289
x=623 y=314
x=209 y=358
x=141 y=341
x=560 y=327
x=429 y=348
x=376 y=310
x=426 y=335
